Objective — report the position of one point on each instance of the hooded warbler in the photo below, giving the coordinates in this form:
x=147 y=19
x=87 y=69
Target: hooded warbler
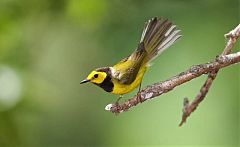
x=158 y=34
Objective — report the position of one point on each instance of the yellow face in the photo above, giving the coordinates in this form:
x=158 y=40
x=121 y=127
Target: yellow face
x=96 y=77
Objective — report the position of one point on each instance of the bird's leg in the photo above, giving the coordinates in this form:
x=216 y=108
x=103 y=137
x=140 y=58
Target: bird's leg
x=140 y=87
x=120 y=96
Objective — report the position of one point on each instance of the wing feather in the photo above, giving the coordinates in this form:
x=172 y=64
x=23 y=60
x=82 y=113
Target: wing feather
x=126 y=70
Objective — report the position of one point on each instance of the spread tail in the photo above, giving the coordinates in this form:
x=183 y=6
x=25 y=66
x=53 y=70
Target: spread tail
x=158 y=34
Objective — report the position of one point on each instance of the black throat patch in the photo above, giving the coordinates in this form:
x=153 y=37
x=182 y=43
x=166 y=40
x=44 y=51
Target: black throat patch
x=107 y=84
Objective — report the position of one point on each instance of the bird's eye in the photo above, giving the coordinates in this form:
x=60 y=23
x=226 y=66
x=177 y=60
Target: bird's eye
x=96 y=75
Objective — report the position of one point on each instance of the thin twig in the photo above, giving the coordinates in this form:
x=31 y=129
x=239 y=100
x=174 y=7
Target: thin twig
x=159 y=88
x=189 y=108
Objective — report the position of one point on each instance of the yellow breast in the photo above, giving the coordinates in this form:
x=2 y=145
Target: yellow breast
x=123 y=88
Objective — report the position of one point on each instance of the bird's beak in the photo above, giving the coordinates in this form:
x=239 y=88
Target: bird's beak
x=84 y=81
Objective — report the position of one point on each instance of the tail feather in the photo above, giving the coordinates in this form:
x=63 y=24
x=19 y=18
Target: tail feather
x=158 y=34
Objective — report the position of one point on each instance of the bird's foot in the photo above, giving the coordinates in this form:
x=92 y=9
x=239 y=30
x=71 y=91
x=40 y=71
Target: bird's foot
x=139 y=99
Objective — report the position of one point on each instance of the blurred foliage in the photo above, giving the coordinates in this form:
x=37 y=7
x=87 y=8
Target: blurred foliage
x=52 y=44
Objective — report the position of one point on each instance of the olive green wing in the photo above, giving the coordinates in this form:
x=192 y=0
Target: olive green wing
x=126 y=70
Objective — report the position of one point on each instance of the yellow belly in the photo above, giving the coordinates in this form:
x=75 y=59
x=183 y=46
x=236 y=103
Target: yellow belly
x=123 y=89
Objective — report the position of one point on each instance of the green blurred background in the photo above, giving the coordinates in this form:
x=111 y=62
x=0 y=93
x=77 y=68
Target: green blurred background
x=48 y=46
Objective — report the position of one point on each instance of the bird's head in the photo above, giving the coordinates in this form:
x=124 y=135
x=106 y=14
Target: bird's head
x=96 y=77
x=101 y=77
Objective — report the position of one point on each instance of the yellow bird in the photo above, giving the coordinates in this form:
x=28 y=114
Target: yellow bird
x=158 y=34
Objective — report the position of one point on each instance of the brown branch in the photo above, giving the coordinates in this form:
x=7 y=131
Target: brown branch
x=189 y=108
x=158 y=89
x=210 y=68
